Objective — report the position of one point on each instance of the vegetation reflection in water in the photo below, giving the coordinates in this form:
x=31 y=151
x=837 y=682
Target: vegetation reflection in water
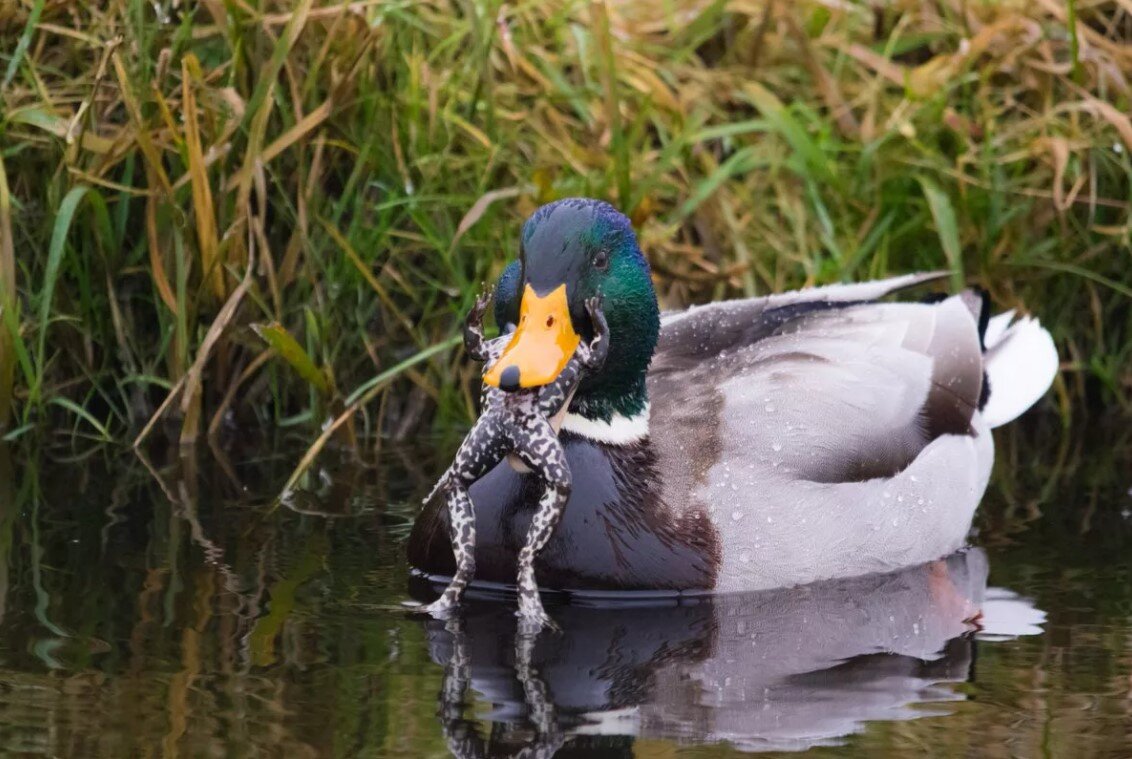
x=166 y=607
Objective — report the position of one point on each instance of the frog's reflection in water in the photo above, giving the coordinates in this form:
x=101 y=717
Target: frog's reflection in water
x=783 y=669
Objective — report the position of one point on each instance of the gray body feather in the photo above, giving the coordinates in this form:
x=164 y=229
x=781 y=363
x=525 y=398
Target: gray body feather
x=823 y=436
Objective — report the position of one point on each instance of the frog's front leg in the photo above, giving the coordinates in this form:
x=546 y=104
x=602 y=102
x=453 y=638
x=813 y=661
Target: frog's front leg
x=539 y=448
x=483 y=448
x=587 y=357
x=474 y=342
x=594 y=354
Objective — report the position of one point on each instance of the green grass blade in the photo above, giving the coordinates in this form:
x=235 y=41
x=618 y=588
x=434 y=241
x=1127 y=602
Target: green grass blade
x=51 y=276
x=946 y=227
x=1074 y=42
x=83 y=414
x=779 y=117
x=17 y=432
x=361 y=396
x=288 y=349
x=9 y=301
x=619 y=146
x=24 y=43
x=740 y=162
x=1080 y=271
x=734 y=129
x=365 y=392
x=19 y=347
x=266 y=78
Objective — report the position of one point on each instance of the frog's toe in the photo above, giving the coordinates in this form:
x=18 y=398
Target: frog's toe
x=441 y=608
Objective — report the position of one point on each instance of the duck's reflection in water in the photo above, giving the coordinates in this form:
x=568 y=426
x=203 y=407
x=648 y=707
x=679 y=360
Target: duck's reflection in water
x=785 y=669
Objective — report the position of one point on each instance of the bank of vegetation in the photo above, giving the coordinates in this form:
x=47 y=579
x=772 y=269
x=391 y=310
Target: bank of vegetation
x=218 y=216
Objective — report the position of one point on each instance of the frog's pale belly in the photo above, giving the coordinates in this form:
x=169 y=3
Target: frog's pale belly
x=555 y=422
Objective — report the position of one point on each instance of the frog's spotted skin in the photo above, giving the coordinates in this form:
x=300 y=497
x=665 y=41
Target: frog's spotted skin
x=515 y=422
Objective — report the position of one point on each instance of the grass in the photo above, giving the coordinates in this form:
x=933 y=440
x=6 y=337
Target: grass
x=216 y=217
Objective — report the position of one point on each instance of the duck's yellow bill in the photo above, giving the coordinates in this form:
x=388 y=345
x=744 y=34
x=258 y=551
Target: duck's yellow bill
x=542 y=344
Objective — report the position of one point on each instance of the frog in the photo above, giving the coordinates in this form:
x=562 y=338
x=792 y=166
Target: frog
x=515 y=424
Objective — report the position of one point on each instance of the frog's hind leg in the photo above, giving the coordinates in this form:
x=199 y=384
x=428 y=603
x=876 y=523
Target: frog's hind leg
x=462 y=533
x=542 y=452
x=483 y=448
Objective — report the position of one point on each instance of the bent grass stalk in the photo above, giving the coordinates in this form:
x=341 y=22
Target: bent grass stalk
x=355 y=401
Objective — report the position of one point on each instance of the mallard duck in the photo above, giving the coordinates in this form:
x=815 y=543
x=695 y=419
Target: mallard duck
x=746 y=444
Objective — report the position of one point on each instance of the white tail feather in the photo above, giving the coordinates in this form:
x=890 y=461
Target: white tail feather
x=996 y=328
x=1021 y=363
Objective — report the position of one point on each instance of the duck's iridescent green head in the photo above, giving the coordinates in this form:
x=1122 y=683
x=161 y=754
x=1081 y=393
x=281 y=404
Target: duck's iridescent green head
x=571 y=250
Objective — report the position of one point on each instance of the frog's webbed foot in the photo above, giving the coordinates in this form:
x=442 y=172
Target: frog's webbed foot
x=474 y=342
x=533 y=618
x=479 y=308
x=443 y=608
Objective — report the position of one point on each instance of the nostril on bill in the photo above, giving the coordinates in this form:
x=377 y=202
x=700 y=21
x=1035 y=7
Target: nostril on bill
x=509 y=379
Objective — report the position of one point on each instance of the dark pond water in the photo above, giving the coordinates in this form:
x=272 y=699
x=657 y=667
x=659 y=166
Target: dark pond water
x=164 y=608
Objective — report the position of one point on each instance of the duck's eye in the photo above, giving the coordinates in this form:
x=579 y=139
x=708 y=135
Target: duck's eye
x=550 y=321
x=601 y=260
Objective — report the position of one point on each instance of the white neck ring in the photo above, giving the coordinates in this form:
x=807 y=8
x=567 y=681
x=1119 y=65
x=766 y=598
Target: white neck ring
x=619 y=430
